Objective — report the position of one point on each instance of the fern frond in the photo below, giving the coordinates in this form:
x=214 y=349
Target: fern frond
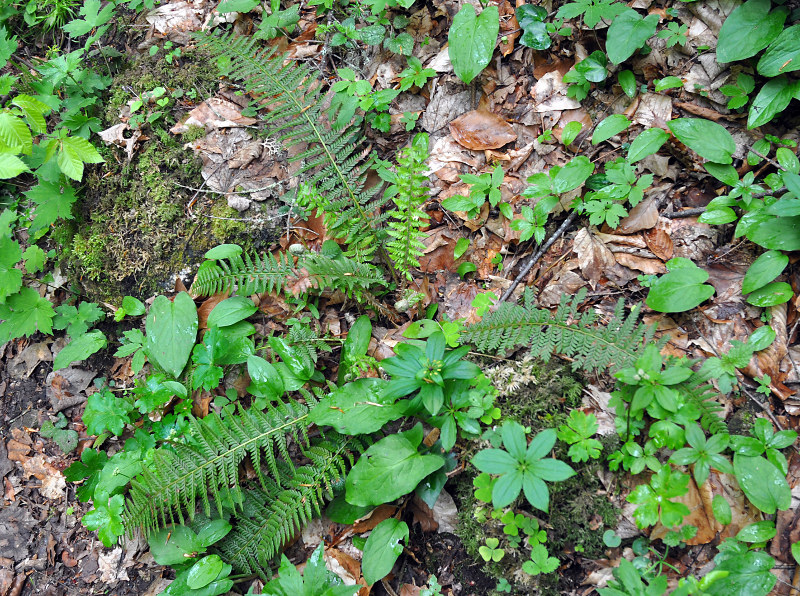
x=207 y=466
x=272 y=515
x=699 y=391
x=406 y=247
x=337 y=157
x=591 y=345
x=242 y=274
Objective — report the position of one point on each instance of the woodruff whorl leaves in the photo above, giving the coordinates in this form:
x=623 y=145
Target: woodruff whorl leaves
x=207 y=465
x=272 y=514
x=335 y=157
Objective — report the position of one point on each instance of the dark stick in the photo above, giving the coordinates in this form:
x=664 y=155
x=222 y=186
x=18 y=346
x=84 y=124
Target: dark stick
x=535 y=259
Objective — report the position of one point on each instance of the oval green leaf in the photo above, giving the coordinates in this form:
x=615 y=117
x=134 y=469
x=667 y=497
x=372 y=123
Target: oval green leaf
x=783 y=54
x=629 y=32
x=773 y=98
x=231 y=311
x=356 y=408
x=762 y=483
x=646 y=143
x=764 y=270
x=708 y=139
x=171 y=328
x=223 y=251
x=748 y=30
x=382 y=549
x=772 y=294
x=204 y=572
x=609 y=127
x=472 y=39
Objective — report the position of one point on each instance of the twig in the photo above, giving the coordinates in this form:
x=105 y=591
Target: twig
x=769 y=159
x=529 y=265
x=684 y=213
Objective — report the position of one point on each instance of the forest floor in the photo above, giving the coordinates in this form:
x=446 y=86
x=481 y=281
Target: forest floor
x=514 y=115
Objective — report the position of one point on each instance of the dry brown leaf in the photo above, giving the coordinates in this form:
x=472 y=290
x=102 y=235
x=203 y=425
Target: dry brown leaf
x=17 y=451
x=26 y=361
x=649 y=266
x=215 y=112
x=509 y=27
x=116 y=136
x=53 y=481
x=593 y=256
x=659 y=242
x=380 y=513
x=405 y=590
x=642 y=217
x=423 y=515
x=550 y=94
x=480 y=129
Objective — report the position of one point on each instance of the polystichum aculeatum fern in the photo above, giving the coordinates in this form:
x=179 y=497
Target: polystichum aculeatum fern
x=335 y=158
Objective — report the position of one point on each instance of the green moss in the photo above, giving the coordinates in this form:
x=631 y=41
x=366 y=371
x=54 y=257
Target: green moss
x=540 y=396
x=193 y=133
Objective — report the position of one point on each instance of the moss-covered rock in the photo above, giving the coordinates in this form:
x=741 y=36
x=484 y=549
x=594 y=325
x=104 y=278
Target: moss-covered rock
x=133 y=233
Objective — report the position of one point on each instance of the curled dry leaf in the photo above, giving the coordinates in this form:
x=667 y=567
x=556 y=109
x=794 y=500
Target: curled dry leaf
x=509 y=28
x=480 y=129
x=593 y=256
x=659 y=242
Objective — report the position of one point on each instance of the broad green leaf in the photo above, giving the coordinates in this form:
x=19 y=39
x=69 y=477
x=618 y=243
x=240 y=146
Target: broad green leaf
x=106 y=519
x=708 y=139
x=762 y=483
x=681 y=289
x=764 y=270
x=394 y=457
x=15 y=133
x=718 y=216
x=531 y=20
x=230 y=311
x=494 y=461
x=223 y=251
x=462 y=244
x=593 y=67
x=356 y=408
x=570 y=132
x=573 y=174
x=776 y=233
x=355 y=345
x=171 y=329
x=53 y=202
x=609 y=127
x=773 y=98
x=237 y=6
x=761 y=338
x=80 y=349
x=627 y=80
x=34 y=111
x=204 y=572
x=11 y=166
x=628 y=32
x=472 y=39
x=725 y=173
x=757 y=532
x=747 y=574
x=748 y=30
x=25 y=313
x=647 y=143
x=721 y=509
x=265 y=380
x=174 y=545
x=382 y=549
x=93 y=17
x=771 y=294
x=783 y=54
x=787 y=159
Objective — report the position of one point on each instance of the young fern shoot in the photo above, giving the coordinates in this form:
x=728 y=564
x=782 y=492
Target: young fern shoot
x=405 y=246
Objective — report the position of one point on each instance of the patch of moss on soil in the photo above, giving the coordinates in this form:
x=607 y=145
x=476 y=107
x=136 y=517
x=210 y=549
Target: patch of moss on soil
x=132 y=234
x=579 y=510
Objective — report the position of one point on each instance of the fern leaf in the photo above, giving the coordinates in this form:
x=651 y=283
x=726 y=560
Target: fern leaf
x=207 y=466
x=406 y=246
x=337 y=156
x=246 y=275
x=591 y=346
x=272 y=515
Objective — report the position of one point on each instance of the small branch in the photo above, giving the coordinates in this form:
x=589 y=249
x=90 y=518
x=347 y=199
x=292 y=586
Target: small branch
x=535 y=259
x=684 y=213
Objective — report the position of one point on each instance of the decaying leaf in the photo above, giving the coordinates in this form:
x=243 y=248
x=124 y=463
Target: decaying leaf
x=480 y=129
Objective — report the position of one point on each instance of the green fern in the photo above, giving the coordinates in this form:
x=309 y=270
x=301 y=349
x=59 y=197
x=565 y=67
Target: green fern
x=272 y=514
x=406 y=246
x=698 y=390
x=207 y=466
x=247 y=275
x=590 y=346
x=336 y=157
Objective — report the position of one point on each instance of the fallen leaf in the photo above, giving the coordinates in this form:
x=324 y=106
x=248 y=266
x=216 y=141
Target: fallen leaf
x=659 y=242
x=642 y=217
x=115 y=135
x=480 y=129
x=509 y=27
x=593 y=256
x=550 y=94
x=648 y=266
x=24 y=363
x=215 y=112
x=380 y=513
